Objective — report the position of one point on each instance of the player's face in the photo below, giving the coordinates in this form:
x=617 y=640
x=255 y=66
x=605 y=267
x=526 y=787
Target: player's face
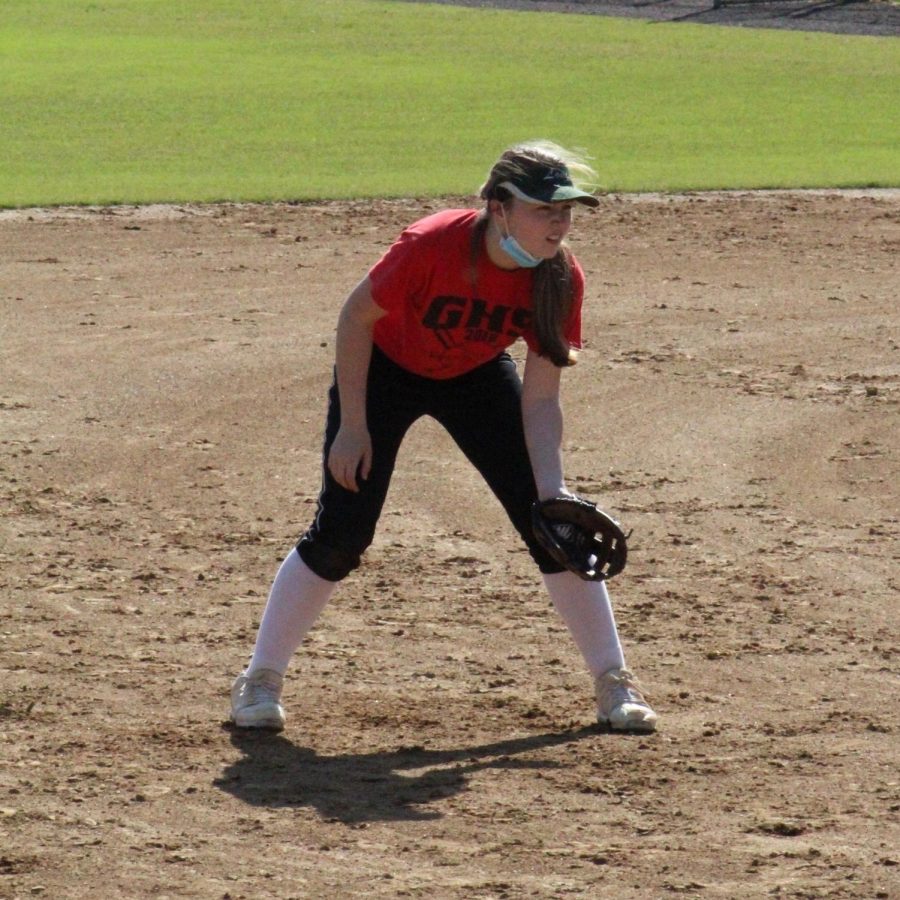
x=540 y=227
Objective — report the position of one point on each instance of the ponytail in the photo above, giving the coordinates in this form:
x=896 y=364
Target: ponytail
x=552 y=298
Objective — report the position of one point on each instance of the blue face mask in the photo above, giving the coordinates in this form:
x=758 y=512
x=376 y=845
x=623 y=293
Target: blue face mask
x=515 y=251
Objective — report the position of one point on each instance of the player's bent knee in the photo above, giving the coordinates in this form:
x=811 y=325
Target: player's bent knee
x=330 y=563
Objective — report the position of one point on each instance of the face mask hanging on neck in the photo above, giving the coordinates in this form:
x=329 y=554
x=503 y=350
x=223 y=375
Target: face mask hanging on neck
x=514 y=250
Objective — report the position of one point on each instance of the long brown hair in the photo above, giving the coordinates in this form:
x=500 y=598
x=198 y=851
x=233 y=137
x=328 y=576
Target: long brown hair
x=552 y=292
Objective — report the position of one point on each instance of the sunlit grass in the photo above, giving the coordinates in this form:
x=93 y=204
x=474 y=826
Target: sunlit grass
x=151 y=100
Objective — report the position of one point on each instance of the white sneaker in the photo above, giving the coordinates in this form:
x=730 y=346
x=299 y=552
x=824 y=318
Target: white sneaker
x=620 y=704
x=256 y=700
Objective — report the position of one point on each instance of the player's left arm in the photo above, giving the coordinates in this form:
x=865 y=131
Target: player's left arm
x=542 y=418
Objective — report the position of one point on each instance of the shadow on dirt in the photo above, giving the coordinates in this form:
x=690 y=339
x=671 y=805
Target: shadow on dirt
x=388 y=786
x=860 y=17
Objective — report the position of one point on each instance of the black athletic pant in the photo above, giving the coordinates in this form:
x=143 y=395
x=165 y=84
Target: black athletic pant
x=482 y=412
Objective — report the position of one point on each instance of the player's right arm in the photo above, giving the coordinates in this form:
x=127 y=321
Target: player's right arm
x=351 y=452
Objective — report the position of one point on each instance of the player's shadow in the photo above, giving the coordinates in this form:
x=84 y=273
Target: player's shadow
x=363 y=787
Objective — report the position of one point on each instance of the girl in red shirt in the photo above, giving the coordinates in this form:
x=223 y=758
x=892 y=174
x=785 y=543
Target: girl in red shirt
x=426 y=332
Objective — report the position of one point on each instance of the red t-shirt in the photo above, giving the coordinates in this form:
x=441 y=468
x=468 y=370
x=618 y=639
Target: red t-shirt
x=439 y=323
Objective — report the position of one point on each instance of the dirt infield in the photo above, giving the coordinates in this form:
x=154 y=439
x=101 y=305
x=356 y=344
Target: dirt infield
x=162 y=386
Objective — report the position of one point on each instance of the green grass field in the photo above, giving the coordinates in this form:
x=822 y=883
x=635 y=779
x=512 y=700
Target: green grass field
x=179 y=100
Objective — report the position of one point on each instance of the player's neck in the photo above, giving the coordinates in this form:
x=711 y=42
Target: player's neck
x=492 y=248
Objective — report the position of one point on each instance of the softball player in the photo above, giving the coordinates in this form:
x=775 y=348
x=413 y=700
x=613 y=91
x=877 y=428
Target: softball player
x=426 y=333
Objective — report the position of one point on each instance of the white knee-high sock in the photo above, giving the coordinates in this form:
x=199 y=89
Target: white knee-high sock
x=297 y=597
x=585 y=608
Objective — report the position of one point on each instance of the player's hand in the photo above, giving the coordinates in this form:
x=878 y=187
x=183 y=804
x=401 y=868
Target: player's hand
x=350 y=457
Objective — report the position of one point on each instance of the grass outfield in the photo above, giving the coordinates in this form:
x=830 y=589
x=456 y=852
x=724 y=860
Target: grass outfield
x=201 y=100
